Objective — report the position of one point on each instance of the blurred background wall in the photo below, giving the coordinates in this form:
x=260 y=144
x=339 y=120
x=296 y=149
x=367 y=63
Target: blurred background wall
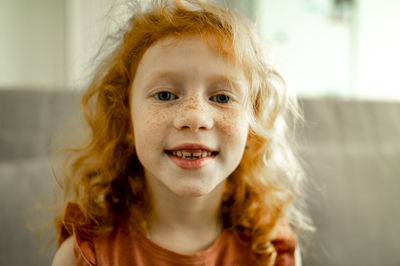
x=340 y=56
x=344 y=48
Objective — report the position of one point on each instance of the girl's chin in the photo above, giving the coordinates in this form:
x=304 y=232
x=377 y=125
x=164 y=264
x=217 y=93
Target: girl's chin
x=191 y=192
x=196 y=190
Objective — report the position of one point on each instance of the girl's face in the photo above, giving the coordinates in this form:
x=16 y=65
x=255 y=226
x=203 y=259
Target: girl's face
x=188 y=109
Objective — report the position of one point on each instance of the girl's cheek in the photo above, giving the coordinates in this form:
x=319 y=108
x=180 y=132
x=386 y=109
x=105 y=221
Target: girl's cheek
x=234 y=124
x=154 y=119
x=149 y=127
x=227 y=125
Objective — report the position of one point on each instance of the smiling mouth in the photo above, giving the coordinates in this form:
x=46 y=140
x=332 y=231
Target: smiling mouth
x=191 y=155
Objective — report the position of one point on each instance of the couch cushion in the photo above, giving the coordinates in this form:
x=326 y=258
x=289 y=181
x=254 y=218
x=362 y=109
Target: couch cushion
x=352 y=154
x=26 y=191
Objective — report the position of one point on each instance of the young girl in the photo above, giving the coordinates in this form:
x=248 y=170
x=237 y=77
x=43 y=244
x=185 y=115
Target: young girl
x=188 y=161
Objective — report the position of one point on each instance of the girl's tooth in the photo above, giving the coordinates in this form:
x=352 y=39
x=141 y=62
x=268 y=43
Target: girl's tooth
x=191 y=156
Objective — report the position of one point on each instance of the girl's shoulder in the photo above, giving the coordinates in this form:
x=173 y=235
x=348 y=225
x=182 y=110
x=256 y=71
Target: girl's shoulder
x=75 y=239
x=73 y=219
x=285 y=239
x=65 y=254
x=285 y=243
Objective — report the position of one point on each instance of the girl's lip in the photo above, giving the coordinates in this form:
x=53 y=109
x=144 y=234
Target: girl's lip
x=191 y=164
x=192 y=146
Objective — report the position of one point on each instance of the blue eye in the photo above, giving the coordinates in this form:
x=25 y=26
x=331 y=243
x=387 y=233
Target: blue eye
x=221 y=98
x=165 y=96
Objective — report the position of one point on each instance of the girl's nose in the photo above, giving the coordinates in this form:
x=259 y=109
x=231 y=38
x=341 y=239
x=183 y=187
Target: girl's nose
x=194 y=116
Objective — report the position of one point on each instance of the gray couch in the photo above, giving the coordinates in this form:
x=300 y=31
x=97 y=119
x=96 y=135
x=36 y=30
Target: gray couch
x=351 y=152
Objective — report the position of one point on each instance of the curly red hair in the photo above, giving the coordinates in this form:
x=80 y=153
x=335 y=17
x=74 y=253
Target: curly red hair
x=106 y=178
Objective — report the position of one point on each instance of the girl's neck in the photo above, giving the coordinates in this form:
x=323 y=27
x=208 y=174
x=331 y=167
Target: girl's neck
x=185 y=225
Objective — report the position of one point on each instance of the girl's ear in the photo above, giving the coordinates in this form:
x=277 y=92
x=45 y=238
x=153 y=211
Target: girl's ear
x=130 y=139
x=251 y=142
x=248 y=142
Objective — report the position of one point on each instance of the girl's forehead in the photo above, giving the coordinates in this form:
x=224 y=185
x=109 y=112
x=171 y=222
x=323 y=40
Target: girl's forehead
x=213 y=43
x=189 y=47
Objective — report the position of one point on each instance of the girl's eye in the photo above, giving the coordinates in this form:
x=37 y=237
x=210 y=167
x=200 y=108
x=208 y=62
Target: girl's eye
x=165 y=96
x=221 y=98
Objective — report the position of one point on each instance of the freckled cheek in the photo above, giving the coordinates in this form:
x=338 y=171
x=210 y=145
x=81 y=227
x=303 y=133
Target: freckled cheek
x=154 y=121
x=234 y=127
x=149 y=127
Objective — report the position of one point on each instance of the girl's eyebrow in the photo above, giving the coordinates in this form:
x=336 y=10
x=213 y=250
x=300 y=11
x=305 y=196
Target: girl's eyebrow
x=227 y=80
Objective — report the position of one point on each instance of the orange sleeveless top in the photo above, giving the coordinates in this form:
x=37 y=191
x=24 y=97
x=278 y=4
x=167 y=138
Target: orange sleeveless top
x=123 y=247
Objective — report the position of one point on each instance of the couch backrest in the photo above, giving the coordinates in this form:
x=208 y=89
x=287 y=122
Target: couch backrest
x=351 y=152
